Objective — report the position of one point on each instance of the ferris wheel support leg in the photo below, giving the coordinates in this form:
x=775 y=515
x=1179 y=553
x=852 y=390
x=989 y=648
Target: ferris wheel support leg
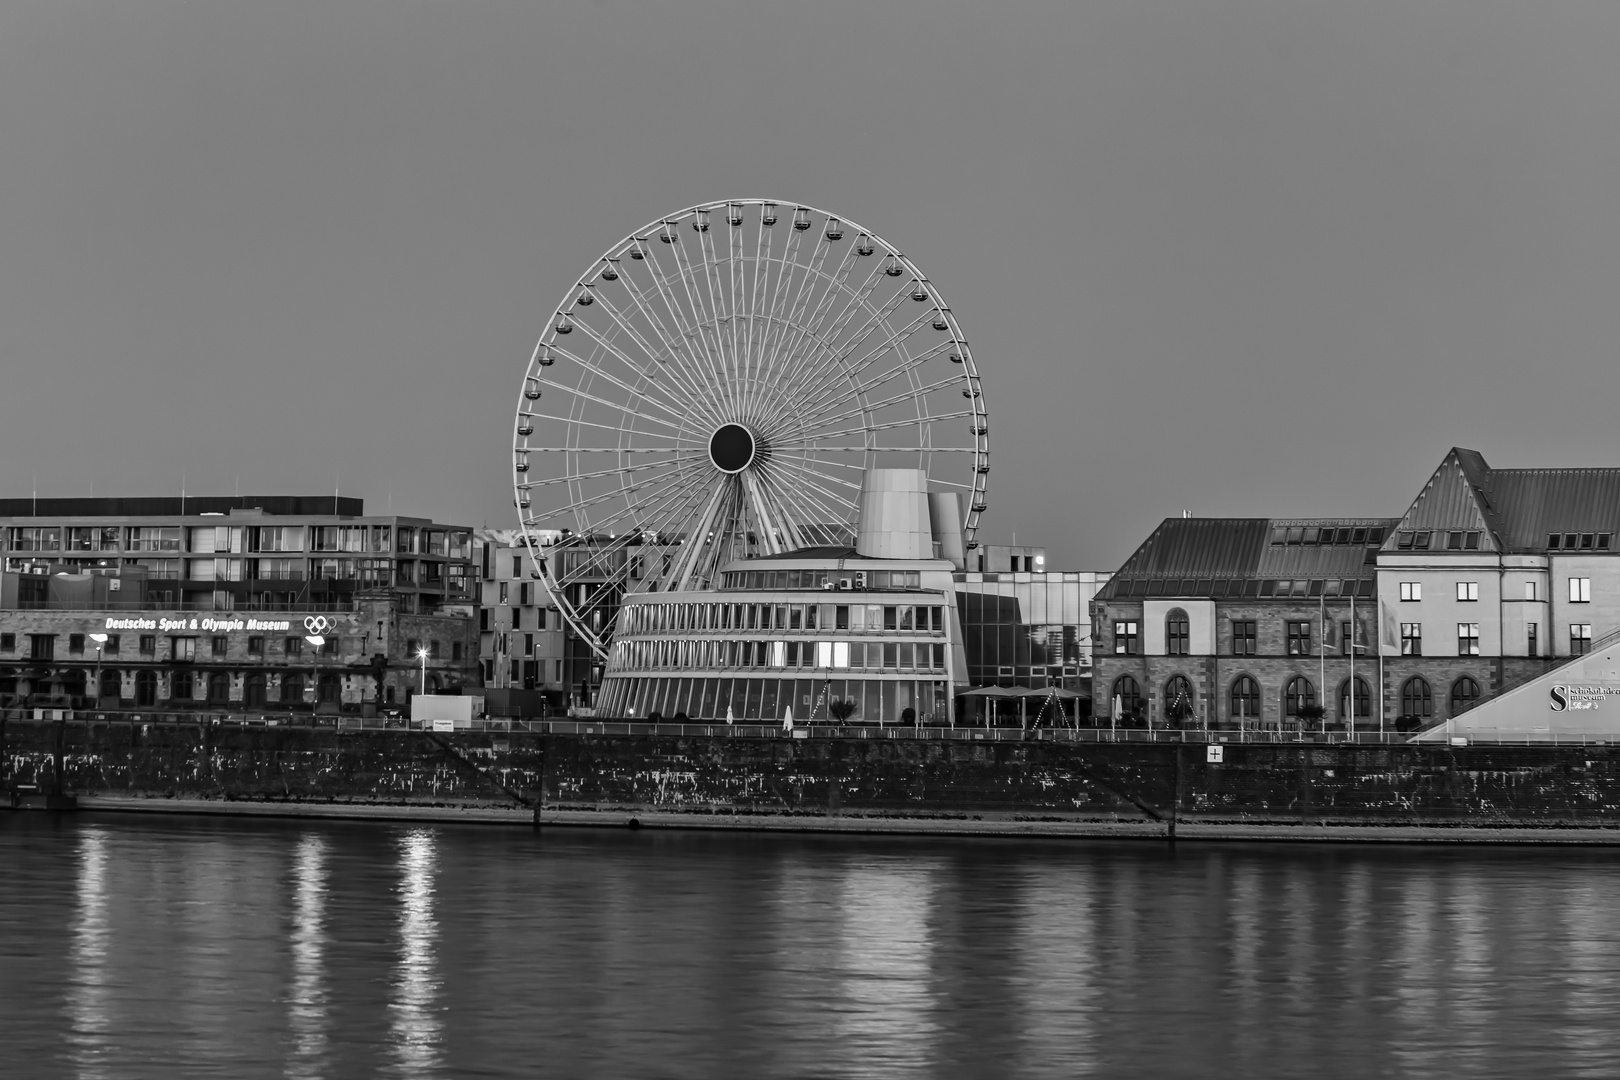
x=696 y=545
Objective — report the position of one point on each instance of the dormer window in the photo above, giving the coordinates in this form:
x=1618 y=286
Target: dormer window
x=1421 y=541
x=1554 y=541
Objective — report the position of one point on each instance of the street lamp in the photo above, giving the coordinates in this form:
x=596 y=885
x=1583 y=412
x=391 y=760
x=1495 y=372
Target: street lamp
x=422 y=655
x=316 y=640
x=100 y=640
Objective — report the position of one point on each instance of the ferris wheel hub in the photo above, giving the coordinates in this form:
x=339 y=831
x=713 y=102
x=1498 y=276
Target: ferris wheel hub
x=733 y=448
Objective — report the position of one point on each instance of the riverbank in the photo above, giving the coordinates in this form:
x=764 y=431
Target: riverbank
x=1002 y=825
x=845 y=784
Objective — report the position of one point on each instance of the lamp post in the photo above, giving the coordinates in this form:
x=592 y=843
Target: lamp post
x=316 y=640
x=100 y=640
x=422 y=655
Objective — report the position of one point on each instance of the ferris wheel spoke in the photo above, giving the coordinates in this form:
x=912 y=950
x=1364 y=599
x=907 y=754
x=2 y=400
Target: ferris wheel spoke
x=721 y=315
x=602 y=474
x=650 y=375
x=887 y=425
x=789 y=515
x=671 y=358
x=618 y=406
x=807 y=487
x=701 y=364
x=632 y=507
x=808 y=368
x=821 y=372
x=879 y=406
x=809 y=335
x=701 y=316
x=893 y=341
x=576 y=422
x=785 y=268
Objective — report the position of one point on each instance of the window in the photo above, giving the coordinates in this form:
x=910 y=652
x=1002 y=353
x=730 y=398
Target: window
x=1245 y=698
x=1532 y=646
x=1468 y=591
x=8 y=642
x=1454 y=541
x=1298 y=694
x=293 y=646
x=455 y=647
x=1421 y=541
x=1411 y=590
x=1363 y=699
x=1180 y=702
x=1411 y=639
x=1529 y=590
x=148 y=644
x=1243 y=637
x=1464 y=692
x=517 y=618
x=1580 y=638
x=1175 y=633
x=1417 y=700
x=433 y=649
x=42 y=646
x=110 y=646
x=501 y=593
x=1580 y=590
x=76 y=644
x=218 y=646
x=1127 y=640
x=1468 y=639
x=1299 y=638
x=255 y=646
x=1128 y=695
x=180 y=685
x=183 y=648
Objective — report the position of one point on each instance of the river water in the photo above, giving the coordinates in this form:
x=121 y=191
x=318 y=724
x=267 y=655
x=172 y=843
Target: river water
x=179 y=947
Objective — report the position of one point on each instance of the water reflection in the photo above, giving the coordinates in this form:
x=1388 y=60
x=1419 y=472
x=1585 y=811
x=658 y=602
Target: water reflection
x=413 y=1008
x=88 y=990
x=1057 y=974
x=306 y=1004
x=884 y=957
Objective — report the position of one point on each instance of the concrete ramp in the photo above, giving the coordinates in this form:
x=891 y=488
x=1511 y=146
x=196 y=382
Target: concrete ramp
x=1574 y=702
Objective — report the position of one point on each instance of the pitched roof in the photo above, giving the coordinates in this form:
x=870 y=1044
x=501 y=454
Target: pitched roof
x=1195 y=551
x=1516 y=509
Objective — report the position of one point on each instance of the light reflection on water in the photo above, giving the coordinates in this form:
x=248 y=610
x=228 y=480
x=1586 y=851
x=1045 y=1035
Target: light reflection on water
x=135 y=947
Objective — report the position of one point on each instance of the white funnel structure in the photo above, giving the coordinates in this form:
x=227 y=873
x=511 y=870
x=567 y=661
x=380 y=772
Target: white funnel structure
x=894 y=519
x=945 y=509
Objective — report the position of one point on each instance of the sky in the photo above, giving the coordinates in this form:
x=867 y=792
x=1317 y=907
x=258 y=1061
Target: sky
x=1223 y=257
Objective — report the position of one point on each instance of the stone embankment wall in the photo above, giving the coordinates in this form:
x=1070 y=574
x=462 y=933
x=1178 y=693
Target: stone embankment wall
x=1333 y=784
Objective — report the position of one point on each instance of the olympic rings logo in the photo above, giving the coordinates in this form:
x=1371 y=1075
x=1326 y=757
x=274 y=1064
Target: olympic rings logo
x=319 y=624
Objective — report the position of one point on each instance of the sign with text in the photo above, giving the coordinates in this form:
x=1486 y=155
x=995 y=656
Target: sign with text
x=1598 y=702
x=229 y=623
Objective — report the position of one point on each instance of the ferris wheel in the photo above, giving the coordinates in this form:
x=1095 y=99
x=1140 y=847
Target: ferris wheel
x=715 y=386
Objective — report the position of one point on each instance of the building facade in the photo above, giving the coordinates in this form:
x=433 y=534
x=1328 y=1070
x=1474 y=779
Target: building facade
x=1490 y=577
x=242 y=603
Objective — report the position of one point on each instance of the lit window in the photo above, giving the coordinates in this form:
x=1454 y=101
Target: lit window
x=1468 y=591
x=1580 y=638
x=1411 y=590
x=1127 y=640
x=1468 y=639
x=1580 y=590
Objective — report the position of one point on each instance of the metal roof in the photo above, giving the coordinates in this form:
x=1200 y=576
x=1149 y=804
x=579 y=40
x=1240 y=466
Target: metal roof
x=1518 y=508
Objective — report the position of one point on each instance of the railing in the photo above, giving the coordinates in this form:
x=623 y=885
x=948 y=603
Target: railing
x=502 y=725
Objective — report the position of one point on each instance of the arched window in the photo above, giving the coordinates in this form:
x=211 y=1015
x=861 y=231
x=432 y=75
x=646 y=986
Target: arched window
x=1416 y=698
x=330 y=688
x=1175 y=633
x=1300 y=693
x=111 y=683
x=292 y=689
x=219 y=688
x=1245 y=698
x=1129 y=695
x=253 y=690
x=1363 y=702
x=1180 y=705
x=180 y=685
x=146 y=688
x=1464 y=692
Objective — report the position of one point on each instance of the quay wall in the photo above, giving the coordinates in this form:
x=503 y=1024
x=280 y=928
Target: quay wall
x=1332 y=784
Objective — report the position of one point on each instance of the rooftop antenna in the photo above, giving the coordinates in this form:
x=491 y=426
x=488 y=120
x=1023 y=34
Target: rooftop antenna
x=36 y=493
x=336 y=477
x=182 y=494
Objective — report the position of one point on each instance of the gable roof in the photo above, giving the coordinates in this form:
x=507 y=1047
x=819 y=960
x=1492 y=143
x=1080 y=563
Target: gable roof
x=1516 y=509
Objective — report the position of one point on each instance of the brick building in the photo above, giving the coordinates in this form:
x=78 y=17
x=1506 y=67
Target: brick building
x=1489 y=578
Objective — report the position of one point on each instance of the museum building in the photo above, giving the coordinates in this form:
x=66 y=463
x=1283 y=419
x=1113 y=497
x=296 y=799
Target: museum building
x=240 y=603
x=1489 y=579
